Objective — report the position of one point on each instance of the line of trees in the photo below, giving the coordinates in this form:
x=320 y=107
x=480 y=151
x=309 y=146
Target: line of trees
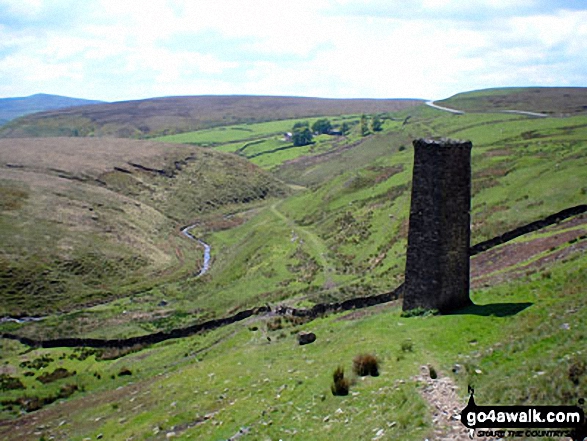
x=303 y=134
x=322 y=126
x=367 y=127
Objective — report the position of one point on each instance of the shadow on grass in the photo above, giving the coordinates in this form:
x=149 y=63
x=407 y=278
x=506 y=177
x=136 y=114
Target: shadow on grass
x=493 y=309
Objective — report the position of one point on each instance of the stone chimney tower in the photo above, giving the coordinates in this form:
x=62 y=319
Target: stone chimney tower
x=437 y=261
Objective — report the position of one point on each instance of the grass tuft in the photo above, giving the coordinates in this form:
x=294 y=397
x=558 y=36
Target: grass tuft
x=577 y=370
x=366 y=364
x=124 y=372
x=407 y=346
x=419 y=312
x=340 y=385
x=10 y=383
x=57 y=374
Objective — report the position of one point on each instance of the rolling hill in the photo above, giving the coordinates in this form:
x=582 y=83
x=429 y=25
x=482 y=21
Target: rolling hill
x=162 y=116
x=553 y=101
x=12 y=108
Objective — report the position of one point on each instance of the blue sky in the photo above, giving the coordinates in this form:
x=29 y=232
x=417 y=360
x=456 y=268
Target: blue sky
x=131 y=49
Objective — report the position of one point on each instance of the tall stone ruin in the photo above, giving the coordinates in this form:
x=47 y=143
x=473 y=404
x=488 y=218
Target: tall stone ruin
x=437 y=261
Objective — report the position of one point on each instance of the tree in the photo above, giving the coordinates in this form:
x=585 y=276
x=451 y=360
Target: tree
x=376 y=124
x=345 y=128
x=322 y=126
x=302 y=137
x=301 y=134
x=364 y=125
x=300 y=125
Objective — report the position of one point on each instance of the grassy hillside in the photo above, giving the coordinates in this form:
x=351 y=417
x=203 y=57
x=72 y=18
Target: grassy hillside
x=210 y=386
x=359 y=215
x=338 y=231
x=555 y=101
x=87 y=220
x=162 y=116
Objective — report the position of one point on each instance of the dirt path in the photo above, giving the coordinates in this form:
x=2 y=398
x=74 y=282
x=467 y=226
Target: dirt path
x=315 y=242
x=445 y=404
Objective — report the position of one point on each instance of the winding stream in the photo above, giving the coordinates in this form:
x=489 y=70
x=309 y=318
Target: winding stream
x=206 y=265
x=20 y=320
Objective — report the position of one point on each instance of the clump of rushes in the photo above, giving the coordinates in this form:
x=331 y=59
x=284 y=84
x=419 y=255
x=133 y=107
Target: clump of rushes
x=366 y=364
x=407 y=346
x=124 y=372
x=340 y=385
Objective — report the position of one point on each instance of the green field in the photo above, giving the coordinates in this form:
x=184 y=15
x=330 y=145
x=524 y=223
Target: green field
x=288 y=226
x=212 y=385
x=264 y=143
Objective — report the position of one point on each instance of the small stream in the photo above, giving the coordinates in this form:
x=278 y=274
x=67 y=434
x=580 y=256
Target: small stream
x=206 y=265
x=20 y=320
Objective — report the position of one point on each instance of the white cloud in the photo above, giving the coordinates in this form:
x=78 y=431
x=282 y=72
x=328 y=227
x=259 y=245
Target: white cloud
x=27 y=8
x=35 y=70
x=168 y=66
x=551 y=30
x=346 y=48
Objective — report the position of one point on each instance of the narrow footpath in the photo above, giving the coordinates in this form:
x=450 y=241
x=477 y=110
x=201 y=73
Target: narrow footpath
x=319 y=247
x=445 y=406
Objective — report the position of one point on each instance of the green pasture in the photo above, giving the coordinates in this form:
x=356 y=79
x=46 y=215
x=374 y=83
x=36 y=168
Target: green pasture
x=223 y=135
x=256 y=376
x=243 y=132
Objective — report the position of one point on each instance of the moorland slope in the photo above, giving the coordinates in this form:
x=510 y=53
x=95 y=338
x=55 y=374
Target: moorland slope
x=162 y=116
x=81 y=219
x=553 y=101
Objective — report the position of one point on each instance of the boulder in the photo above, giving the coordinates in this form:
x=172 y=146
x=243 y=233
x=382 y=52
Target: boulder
x=305 y=338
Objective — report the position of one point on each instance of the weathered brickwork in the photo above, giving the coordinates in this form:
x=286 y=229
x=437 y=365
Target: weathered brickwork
x=437 y=261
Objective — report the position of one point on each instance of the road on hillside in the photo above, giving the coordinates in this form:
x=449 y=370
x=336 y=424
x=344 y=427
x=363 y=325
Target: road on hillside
x=460 y=112
x=524 y=112
x=446 y=109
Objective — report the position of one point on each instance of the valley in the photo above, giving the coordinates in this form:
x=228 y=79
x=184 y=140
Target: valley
x=92 y=241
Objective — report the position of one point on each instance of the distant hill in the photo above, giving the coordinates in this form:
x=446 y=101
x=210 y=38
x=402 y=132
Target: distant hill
x=554 y=101
x=165 y=116
x=12 y=108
